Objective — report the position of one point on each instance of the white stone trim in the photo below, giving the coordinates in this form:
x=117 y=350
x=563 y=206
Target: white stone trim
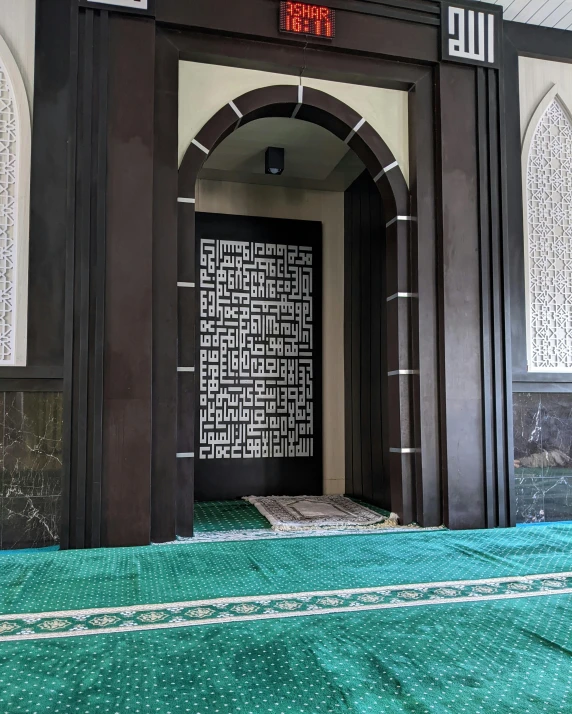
x=185 y=369
x=300 y=101
x=200 y=146
x=235 y=109
x=185 y=285
x=399 y=218
x=402 y=295
x=355 y=130
x=384 y=170
x=186 y=455
x=185 y=200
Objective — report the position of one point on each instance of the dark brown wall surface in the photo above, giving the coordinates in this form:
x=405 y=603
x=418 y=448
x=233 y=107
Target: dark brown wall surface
x=128 y=313
x=365 y=330
x=461 y=324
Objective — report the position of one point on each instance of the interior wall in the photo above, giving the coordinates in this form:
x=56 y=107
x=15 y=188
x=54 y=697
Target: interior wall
x=18 y=28
x=327 y=207
x=205 y=88
x=542 y=421
x=536 y=78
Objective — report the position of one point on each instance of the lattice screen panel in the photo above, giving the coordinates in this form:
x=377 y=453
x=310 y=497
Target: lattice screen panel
x=8 y=218
x=549 y=207
x=256 y=350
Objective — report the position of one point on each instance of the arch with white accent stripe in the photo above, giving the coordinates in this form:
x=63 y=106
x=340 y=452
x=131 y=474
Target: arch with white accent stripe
x=317 y=107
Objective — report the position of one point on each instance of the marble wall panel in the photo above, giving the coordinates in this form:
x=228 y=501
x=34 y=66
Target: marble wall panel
x=30 y=469
x=543 y=457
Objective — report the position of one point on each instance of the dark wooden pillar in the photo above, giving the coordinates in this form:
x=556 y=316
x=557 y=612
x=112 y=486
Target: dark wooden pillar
x=366 y=344
x=128 y=294
x=425 y=322
x=165 y=322
x=473 y=329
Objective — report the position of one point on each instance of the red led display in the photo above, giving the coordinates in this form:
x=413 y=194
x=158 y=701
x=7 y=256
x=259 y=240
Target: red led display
x=303 y=19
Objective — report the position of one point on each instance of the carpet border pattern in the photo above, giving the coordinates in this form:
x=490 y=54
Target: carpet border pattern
x=76 y=623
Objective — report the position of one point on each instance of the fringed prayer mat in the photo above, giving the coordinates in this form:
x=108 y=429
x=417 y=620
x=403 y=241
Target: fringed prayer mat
x=295 y=513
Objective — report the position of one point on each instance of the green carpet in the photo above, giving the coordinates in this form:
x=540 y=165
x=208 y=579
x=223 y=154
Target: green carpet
x=308 y=625
x=224 y=516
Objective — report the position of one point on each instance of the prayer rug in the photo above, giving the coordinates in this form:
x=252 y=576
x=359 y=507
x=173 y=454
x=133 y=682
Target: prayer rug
x=294 y=513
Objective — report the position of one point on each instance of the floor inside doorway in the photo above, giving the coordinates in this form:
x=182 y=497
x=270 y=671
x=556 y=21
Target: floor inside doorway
x=213 y=517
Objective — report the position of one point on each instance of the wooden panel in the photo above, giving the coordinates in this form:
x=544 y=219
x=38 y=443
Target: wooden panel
x=348 y=307
x=355 y=31
x=378 y=362
x=128 y=331
x=355 y=332
x=366 y=344
x=165 y=239
x=425 y=313
x=461 y=326
x=365 y=238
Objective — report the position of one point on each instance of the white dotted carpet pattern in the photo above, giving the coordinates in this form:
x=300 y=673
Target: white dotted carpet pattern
x=500 y=646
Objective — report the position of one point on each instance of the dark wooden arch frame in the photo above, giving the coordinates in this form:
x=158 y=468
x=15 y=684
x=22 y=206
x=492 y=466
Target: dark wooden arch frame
x=317 y=107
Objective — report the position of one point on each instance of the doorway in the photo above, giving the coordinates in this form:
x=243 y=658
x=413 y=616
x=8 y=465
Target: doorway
x=360 y=154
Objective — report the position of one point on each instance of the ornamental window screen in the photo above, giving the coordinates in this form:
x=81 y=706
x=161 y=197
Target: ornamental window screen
x=549 y=249
x=257 y=335
x=14 y=210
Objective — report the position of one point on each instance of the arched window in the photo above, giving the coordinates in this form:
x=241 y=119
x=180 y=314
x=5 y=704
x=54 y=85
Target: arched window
x=14 y=210
x=547 y=159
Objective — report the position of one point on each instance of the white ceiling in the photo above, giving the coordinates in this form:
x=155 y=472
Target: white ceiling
x=548 y=13
x=314 y=158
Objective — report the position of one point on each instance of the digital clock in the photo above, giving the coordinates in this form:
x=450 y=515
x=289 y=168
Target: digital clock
x=303 y=19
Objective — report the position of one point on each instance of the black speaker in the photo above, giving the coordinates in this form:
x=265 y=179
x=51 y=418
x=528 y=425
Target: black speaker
x=274 y=161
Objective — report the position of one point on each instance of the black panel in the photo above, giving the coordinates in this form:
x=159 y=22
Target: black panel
x=219 y=478
x=165 y=167
x=85 y=281
x=366 y=344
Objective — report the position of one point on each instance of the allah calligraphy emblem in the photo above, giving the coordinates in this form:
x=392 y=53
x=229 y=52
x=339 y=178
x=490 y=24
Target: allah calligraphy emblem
x=470 y=36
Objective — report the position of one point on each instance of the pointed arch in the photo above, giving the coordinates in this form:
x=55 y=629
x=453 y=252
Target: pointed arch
x=547 y=175
x=317 y=107
x=15 y=157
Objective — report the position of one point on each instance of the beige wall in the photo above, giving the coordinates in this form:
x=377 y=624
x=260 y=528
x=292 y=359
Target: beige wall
x=327 y=207
x=18 y=28
x=205 y=88
x=536 y=78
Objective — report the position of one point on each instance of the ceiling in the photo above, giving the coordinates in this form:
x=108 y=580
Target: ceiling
x=314 y=158
x=548 y=13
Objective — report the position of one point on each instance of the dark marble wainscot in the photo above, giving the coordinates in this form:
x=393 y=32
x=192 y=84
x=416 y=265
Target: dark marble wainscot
x=30 y=469
x=543 y=457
